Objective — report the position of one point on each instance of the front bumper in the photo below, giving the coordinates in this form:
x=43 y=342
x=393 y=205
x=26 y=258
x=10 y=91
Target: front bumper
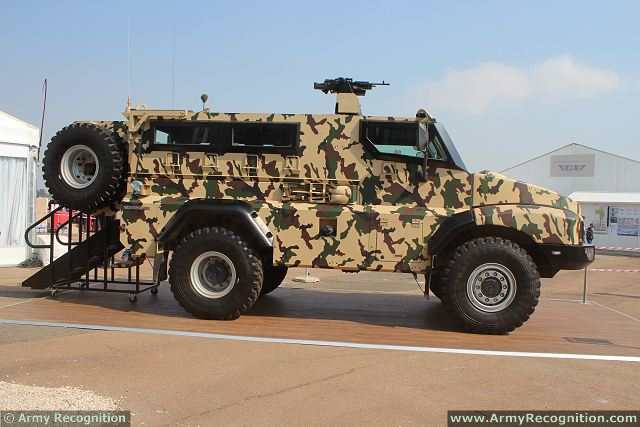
x=565 y=257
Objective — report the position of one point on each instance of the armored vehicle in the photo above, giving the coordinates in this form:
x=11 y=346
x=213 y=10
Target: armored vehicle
x=223 y=203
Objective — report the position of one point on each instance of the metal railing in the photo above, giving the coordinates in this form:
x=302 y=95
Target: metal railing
x=80 y=227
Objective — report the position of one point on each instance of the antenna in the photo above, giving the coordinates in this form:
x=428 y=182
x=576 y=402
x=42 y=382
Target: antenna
x=44 y=109
x=173 y=65
x=129 y=56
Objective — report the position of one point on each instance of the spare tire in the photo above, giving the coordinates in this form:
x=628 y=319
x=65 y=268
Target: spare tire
x=84 y=167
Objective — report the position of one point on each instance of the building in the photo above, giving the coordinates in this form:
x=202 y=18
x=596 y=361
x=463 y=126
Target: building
x=606 y=185
x=576 y=167
x=615 y=217
x=18 y=163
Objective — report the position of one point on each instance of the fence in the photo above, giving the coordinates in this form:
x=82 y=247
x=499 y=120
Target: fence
x=613 y=270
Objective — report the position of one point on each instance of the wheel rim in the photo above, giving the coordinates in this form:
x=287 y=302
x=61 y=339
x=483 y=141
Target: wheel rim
x=79 y=166
x=213 y=275
x=491 y=287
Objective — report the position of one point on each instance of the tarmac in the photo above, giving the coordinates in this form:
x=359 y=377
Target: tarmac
x=353 y=349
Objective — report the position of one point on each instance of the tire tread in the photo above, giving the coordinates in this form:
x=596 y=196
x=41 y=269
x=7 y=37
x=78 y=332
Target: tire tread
x=510 y=320
x=254 y=261
x=111 y=191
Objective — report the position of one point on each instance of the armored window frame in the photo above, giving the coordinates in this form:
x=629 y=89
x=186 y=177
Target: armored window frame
x=290 y=135
x=226 y=132
x=370 y=146
x=412 y=128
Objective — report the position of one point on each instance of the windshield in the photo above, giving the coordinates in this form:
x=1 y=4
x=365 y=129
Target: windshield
x=451 y=148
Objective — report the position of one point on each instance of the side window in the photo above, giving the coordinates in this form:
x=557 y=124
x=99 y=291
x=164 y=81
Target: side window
x=161 y=137
x=224 y=137
x=398 y=138
x=196 y=134
x=264 y=135
x=393 y=138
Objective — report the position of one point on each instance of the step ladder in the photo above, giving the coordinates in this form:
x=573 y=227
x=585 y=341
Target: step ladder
x=89 y=262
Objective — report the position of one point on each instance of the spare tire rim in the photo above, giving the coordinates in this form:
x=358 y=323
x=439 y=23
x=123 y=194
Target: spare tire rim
x=79 y=166
x=491 y=287
x=213 y=275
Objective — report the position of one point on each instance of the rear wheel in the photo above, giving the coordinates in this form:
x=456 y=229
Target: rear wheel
x=273 y=277
x=214 y=274
x=493 y=285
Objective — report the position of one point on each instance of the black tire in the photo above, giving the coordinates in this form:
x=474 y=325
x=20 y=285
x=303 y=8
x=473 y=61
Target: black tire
x=482 y=255
x=273 y=277
x=106 y=187
x=247 y=267
x=436 y=284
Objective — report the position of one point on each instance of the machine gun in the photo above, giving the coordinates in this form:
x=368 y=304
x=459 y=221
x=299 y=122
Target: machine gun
x=346 y=85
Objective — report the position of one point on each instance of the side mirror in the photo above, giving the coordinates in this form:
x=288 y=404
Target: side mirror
x=423 y=142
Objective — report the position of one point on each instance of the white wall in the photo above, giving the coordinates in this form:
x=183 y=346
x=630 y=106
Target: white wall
x=610 y=174
x=18 y=140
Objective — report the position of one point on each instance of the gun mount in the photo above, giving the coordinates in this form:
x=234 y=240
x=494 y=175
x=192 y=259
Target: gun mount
x=347 y=91
x=346 y=85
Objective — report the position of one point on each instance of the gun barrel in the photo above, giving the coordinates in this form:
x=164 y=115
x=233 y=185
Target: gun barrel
x=347 y=85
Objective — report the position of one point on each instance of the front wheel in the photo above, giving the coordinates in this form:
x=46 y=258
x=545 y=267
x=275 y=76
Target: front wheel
x=273 y=277
x=436 y=284
x=215 y=274
x=493 y=285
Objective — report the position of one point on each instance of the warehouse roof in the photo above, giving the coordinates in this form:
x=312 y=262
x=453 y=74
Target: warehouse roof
x=589 y=197
x=565 y=147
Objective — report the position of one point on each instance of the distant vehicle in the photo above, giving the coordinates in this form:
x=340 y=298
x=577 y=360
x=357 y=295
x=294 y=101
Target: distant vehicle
x=231 y=200
x=61 y=219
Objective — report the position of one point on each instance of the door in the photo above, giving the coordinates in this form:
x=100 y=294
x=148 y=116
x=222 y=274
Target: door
x=398 y=209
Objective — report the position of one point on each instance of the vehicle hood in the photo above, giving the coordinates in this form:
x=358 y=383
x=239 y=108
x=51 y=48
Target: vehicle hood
x=493 y=188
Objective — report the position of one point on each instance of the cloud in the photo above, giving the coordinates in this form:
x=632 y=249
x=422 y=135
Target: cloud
x=564 y=77
x=477 y=89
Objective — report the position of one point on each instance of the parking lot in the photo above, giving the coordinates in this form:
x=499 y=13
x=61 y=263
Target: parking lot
x=352 y=348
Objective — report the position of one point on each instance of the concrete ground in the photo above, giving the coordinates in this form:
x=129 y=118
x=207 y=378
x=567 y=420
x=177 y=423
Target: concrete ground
x=182 y=380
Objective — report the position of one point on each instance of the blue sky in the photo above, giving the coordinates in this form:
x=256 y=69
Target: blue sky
x=510 y=80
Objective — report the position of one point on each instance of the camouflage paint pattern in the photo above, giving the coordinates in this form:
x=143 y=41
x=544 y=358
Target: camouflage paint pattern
x=492 y=188
x=385 y=224
x=542 y=223
x=544 y=215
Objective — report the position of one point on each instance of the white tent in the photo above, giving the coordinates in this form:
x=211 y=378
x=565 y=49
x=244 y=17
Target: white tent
x=576 y=167
x=18 y=161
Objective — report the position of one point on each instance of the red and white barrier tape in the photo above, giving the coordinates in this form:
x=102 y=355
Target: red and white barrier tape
x=616 y=270
x=617 y=248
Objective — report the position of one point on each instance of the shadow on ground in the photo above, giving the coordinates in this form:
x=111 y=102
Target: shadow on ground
x=388 y=309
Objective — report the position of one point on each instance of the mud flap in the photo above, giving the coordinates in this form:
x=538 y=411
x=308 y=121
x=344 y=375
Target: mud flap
x=160 y=266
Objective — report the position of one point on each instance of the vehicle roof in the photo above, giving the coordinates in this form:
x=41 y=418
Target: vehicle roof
x=212 y=115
